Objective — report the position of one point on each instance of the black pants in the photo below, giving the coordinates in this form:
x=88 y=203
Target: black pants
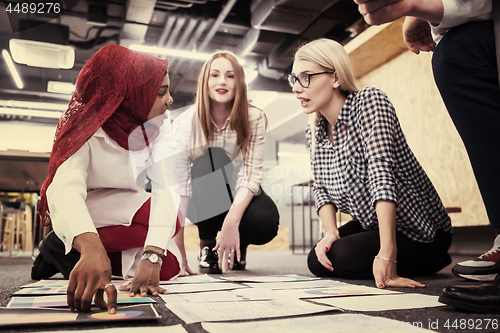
x=465 y=70
x=352 y=255
x=212 y=199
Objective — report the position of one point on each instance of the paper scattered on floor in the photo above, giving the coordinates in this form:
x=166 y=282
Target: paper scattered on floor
x=254 y=294
x=151 y=329
x=225 y=311
x=32 y=316
x=382 y=302
x=246 y=294
x=204 y=278
x=270 y=278
x=198 y=287
x=58 y=301
x=352 y=323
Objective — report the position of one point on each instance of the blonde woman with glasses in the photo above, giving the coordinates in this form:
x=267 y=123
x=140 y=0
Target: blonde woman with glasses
x=363 y=166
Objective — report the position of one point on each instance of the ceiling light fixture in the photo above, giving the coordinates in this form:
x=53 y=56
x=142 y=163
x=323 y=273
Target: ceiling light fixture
x=175 y=53
x=12 y=69
x=31 y=113
x=41 y=54
x=60 y=87
x=34 y=105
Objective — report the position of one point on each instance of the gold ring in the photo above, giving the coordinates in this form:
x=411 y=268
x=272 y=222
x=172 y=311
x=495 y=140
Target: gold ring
x=108 y=285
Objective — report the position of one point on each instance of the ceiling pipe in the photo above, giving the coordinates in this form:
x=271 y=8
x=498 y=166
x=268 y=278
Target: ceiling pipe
x=175 y=4
x=218 y=22
x=166 y=31
x=215 y=26
x=175 y=32
x=179 y=63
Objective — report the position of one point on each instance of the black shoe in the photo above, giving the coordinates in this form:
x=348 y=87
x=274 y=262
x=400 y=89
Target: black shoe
x=482 y=298
x=240 y=265
x=484 y=268
x=209 y=261
x=52 y=259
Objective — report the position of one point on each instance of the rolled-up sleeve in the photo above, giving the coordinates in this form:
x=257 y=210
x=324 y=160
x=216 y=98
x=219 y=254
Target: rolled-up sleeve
x=66 y=197
x=457 y=12
x=378 y=127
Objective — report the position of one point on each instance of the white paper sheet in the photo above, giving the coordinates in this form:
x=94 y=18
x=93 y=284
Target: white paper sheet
x=352 y=323
x=270 y=278
x=198 y=287
x=382 y=302
x=256 y=293
x=150 y=329
x=247 y=294
x=205 y=278
x=292 y=285
x=223 y=311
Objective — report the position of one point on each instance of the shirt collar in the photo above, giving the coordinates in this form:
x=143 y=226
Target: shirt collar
x=345 y=117
x=223 y=126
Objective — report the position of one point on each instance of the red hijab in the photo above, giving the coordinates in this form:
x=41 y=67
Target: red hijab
x=115 y=90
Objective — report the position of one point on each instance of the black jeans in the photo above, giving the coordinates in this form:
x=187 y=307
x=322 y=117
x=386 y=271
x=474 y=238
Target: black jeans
x=212 y=199
x=352 y=255
x=465 y=70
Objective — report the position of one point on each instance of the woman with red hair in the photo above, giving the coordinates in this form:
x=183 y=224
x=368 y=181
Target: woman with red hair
x=104 y=220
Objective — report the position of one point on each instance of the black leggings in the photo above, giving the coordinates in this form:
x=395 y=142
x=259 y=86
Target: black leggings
x=211 y=200
x=352 y=255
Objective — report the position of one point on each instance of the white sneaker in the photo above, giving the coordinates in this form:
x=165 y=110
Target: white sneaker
x=484 y=268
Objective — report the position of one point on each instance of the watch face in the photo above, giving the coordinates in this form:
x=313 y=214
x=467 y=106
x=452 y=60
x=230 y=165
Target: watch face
x=153 y=258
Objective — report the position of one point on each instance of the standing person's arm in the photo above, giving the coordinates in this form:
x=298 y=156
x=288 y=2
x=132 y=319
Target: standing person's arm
x=73 y=224
x=376 y=12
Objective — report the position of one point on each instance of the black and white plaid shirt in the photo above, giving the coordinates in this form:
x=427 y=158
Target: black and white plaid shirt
x=370 y=160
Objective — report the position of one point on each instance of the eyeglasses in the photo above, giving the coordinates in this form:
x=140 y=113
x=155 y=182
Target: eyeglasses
x=304 y=78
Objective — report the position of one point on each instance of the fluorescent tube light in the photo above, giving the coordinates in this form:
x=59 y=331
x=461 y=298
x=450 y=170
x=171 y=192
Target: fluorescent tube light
x=60 y=87
x=31 y=113
x=34 y=105
x=175 y=53
x=12 y=69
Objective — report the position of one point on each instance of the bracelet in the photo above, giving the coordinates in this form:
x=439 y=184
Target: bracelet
x=387 y=259
x=159 y=254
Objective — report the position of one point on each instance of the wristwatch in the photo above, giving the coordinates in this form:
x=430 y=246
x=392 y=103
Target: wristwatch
x=154 y=257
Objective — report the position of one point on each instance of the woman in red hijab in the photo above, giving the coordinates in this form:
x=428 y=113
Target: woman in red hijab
x=104 y=222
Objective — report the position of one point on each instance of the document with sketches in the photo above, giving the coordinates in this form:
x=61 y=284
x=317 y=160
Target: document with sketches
x=224 y=311
x=340 y=289
x=205 y=278
x=198 y=287
x=24 y=317
x=60 y=284
x=270 y=278
x=352 y=323
x=383 y=302
x=42 y=291
x=58 y=301
x=256 y=294
x=322 y=283
x=151 y=329
x=246 y=294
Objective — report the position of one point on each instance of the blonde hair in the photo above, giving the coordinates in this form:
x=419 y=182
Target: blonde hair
x=239 y=113
x=332 y=56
